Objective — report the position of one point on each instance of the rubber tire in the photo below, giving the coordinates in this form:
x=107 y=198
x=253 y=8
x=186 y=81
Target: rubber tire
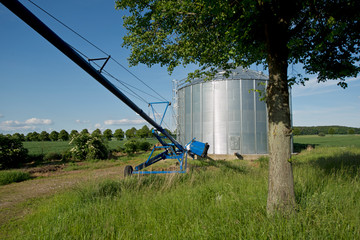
x=128 y=170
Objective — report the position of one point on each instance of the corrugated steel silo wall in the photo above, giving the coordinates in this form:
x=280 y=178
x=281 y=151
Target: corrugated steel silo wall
x=227 y=114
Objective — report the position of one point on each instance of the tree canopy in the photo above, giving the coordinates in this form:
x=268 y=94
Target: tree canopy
x=63 y=135
x=96 y=132
x=322 y=35
x=131 y=133
x=44 y=136
x=54 y=136
x=108 y=134
x=119 y=134
x=143 y=132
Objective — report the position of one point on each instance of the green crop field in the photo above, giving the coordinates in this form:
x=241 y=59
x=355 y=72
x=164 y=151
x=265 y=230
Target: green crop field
x=329 y=140
x=44 y=147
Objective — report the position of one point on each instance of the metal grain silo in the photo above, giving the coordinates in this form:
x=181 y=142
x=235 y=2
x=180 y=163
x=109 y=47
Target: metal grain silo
x=225 y=112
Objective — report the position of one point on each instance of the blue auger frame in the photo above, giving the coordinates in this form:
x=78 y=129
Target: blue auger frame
x=171 y=152
x=153 y=110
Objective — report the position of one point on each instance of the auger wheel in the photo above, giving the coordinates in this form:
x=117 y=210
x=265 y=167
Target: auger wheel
x=128 y=170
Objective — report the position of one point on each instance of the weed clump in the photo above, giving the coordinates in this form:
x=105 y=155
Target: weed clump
x=86 y=147
x=11 y=176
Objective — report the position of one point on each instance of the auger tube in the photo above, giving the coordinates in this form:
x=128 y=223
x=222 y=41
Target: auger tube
x=30 y=19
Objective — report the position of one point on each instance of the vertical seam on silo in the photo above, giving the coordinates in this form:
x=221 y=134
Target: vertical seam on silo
x=213 y=112
x=227 y=117
x=241 y=117
x=255 y=118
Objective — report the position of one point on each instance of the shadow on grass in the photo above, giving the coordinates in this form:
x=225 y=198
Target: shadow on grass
x=346 y=163
x=327 y=170
x=38 y=160
x=222 y=164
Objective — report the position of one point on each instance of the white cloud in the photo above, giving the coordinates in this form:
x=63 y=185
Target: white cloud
x=29 y=124
x=37 y=121
x=1 y=116
x=82 y=121
x=312 y=87
x=124 y=122
x=98 y=125
x=11 y=123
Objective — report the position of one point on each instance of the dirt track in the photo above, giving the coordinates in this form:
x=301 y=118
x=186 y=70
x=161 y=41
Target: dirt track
x=12 y=196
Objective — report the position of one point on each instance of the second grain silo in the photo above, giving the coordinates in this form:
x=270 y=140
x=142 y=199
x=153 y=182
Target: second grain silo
x=225 y=112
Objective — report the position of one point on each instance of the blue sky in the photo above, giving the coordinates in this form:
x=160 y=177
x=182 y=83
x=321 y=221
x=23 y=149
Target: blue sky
x=41 y=89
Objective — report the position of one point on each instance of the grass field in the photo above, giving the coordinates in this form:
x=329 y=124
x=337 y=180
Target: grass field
x=40 y=147
x=215 y=200
x=329 y=140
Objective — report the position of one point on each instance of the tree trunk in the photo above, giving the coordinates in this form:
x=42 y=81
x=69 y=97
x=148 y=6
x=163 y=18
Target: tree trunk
x=281 y=197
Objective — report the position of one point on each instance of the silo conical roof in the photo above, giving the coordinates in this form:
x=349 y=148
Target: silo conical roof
x=239 y=73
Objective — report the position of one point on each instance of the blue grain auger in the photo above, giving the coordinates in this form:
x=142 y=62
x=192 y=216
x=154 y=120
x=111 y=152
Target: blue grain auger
x=172 y=150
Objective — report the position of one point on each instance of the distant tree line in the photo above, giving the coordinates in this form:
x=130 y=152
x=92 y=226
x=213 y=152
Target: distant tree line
x=108 y=134
x=323 y=130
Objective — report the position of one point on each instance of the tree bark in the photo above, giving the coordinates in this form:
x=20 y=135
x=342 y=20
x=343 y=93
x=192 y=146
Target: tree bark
x=281 y=197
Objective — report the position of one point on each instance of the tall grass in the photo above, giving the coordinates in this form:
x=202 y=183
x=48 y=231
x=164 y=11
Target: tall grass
x=10 y=176
x=215 y=200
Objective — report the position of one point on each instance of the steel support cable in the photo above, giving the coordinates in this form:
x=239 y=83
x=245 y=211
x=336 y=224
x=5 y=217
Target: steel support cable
x=125 y=83
x=78 y=34
x=129 y=93
x=138 y=78
x=163 y=120
x=134 y=94
x=118 y=80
